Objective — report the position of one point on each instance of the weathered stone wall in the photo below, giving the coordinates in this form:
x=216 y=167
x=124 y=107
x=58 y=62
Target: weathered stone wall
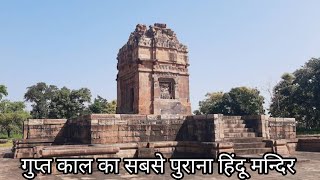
x=272 y=128
x=140 y=135
x=311 y=145
x=44 y=129
x=282 y=128
x=123 y=128
x=116 y=128
x=78 y=130
x=135 y=134
x=40 y=132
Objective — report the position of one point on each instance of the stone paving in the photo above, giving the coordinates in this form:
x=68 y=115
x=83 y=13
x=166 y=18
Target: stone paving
x=308 y=167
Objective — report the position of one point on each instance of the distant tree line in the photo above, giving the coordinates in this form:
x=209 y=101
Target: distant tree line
x=12 y=114
x=49 y=101
x=238 y=101
x=296 y=95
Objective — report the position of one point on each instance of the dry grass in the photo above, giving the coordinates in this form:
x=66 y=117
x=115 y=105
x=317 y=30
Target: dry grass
x=7 y=144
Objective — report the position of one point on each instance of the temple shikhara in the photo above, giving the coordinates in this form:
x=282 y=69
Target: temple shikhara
x=153 y=73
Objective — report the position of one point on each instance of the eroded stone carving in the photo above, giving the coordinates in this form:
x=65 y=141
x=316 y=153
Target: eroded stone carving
x=162 y=36
x=165 y=90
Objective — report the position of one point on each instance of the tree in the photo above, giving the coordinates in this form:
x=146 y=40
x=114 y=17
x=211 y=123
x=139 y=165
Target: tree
x=12 y=115
x=3 y=91
x=238 y=101
x=101 y=106
x=213 y=104
x=282 y=102
x=48 y=101
x=67 y=103
x=40 y=95
x=297 y=95
x=197 y=112
x=244 y=101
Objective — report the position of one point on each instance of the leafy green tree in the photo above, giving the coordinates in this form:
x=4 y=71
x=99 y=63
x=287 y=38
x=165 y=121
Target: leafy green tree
x=298 y=96
x=197 y=112
x=40 y=95
x=102 y=106
x=244 y=101
x=12 y=115
x=238 y=101
x=3 y=91
x=48 y=101
x=282 y=102
x=213 y=104
x=66 y=103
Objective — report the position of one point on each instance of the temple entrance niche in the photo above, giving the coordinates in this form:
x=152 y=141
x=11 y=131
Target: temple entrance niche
x=167 y=90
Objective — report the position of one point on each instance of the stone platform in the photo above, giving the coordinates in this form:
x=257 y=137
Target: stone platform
x=126 y=135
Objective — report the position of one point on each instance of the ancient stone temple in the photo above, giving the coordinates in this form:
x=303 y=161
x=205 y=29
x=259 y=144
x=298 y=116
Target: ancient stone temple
x=153 y=73
x=154 y=114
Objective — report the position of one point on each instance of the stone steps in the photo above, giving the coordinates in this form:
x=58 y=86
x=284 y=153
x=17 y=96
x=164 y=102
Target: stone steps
x=240 y=135
x=244 y=140
x=250 y=145
x=233 y=121
x=231 y=117
x=252 y=151
x=237 y=130
x=234 y=125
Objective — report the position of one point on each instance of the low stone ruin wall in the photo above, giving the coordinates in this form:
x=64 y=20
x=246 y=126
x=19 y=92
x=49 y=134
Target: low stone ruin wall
x=121 y=128
x=272 y=128
x=200 y=132
x=310 y=145
x=40 y=132
x=99 y=129
x=282 y=128
x=45 y=129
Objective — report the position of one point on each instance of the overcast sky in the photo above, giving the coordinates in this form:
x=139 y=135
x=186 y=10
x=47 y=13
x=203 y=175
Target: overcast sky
x=231 y=43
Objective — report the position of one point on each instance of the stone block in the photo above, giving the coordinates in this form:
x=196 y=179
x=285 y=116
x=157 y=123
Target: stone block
x=54 y=121
x=121 y=122
x=153 y=117
x=133 y=117
x=104 y=116
x=35 y=122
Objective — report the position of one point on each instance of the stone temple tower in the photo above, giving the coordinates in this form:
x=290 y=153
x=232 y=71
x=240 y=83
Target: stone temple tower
x=153 y=73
